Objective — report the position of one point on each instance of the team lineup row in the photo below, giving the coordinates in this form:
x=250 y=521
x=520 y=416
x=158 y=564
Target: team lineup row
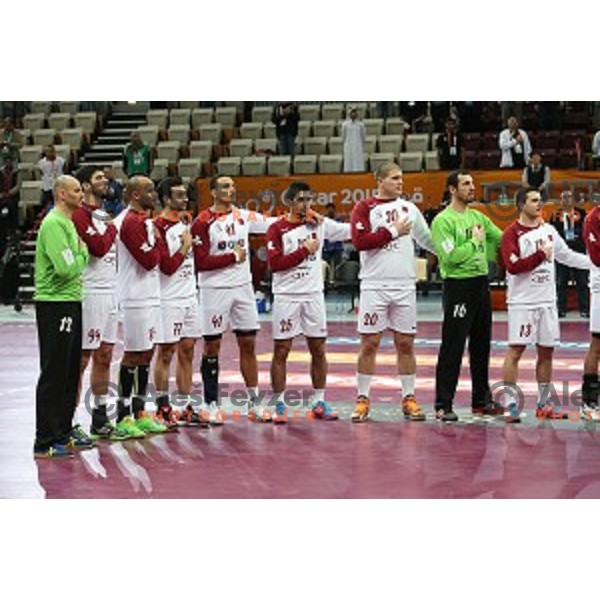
x=176 y=281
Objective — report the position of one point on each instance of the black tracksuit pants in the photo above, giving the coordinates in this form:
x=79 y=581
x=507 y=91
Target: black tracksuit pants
x=467 y=314
x=59 y=338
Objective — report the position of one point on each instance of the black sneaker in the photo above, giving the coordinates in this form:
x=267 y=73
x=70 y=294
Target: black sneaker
x=492 y=408
x=188 y=416
x=446 y=416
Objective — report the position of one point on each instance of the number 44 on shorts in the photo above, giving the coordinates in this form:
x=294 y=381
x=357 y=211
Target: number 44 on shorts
x=460 y=310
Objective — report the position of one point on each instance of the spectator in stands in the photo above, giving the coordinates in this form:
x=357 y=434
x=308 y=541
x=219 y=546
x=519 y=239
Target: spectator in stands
x=568 y=221
x=286 y=118
x=52 y=167
x=137 y=156
x=536 y=175
x=9 y=198
x=596 y=150
x=11 y=139
x=113 y=203
x=515 y=146
x=450 y=147
x=353 y=137
x=414 y=113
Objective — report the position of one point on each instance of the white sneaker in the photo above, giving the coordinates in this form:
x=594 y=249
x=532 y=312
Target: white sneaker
x=259 y=414
x=211 y=413
x=589 y=413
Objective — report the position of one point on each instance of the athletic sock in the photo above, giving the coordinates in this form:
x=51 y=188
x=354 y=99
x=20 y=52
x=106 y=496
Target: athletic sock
x=364 y=384
x=209 y=370
x=408 y=384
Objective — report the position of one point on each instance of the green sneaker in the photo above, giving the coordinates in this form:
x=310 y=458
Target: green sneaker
x=148 y=425
x=128 y=427
x=108 y=432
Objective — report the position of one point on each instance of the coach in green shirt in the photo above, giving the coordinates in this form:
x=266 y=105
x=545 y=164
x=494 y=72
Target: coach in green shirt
x=465 y=241
x=60 y=258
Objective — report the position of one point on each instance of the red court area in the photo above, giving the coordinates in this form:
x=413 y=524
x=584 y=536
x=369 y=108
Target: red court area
x=384 y=458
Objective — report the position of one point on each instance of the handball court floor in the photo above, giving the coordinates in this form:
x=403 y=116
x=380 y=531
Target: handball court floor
x=386 y=457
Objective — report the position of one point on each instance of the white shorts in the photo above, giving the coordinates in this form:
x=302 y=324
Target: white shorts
x=533 y=326
x=388 y=309
x=299 y=314
x=142 y=328
x=100 y=321
x=595 y=313
x=223 y=308
x=180 y=321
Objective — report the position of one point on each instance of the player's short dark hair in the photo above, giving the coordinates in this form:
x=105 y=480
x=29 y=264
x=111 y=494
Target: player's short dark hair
x=295 y=188
x=453 y=177
x=166 y=185
x=84 y=174
x=214 y=181
x=521 y=196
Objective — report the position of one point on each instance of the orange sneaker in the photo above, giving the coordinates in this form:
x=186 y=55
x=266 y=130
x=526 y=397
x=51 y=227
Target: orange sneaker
x=411 y=409
x=361 y=410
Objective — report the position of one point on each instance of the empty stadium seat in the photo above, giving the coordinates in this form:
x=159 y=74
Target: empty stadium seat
x=304 y=128
x=330 y=163
x=68 y=107
x=390 y=143
x=254 y=165
x=85 y=120
x=34 y=121
x=229 y=165
x=261 y=114
x=41 y=107
x=201 y=150
x=226 y=115
x=64 y=151
x=370 y=144
x=242 y=147
x=332 y=111
x=432 y=162
x=417 y=142
x=158 y=117
x=305 y=163
x=279 y=166
x=377 y=159
x=169 y=150
x=395 y=126
x=73 y=137
x=29 y=195
x=179 y=116
x=189 y=167
x=59 y=121
x=335 y=145
x=30 y=154
x=28 y=172
x=269 y=130
x=44 y=137
x=309 y=112
x=269 y=145
x=252 y=131
x=434 y=138
x=149 y=134
x=189 y=104
x=26 y=135
x=411 y=161
x=201 y=116
x=160 y=169
x=180 y=133
x=324 y=128
x=315 y=145
x=211 y=132
x=373 y=126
